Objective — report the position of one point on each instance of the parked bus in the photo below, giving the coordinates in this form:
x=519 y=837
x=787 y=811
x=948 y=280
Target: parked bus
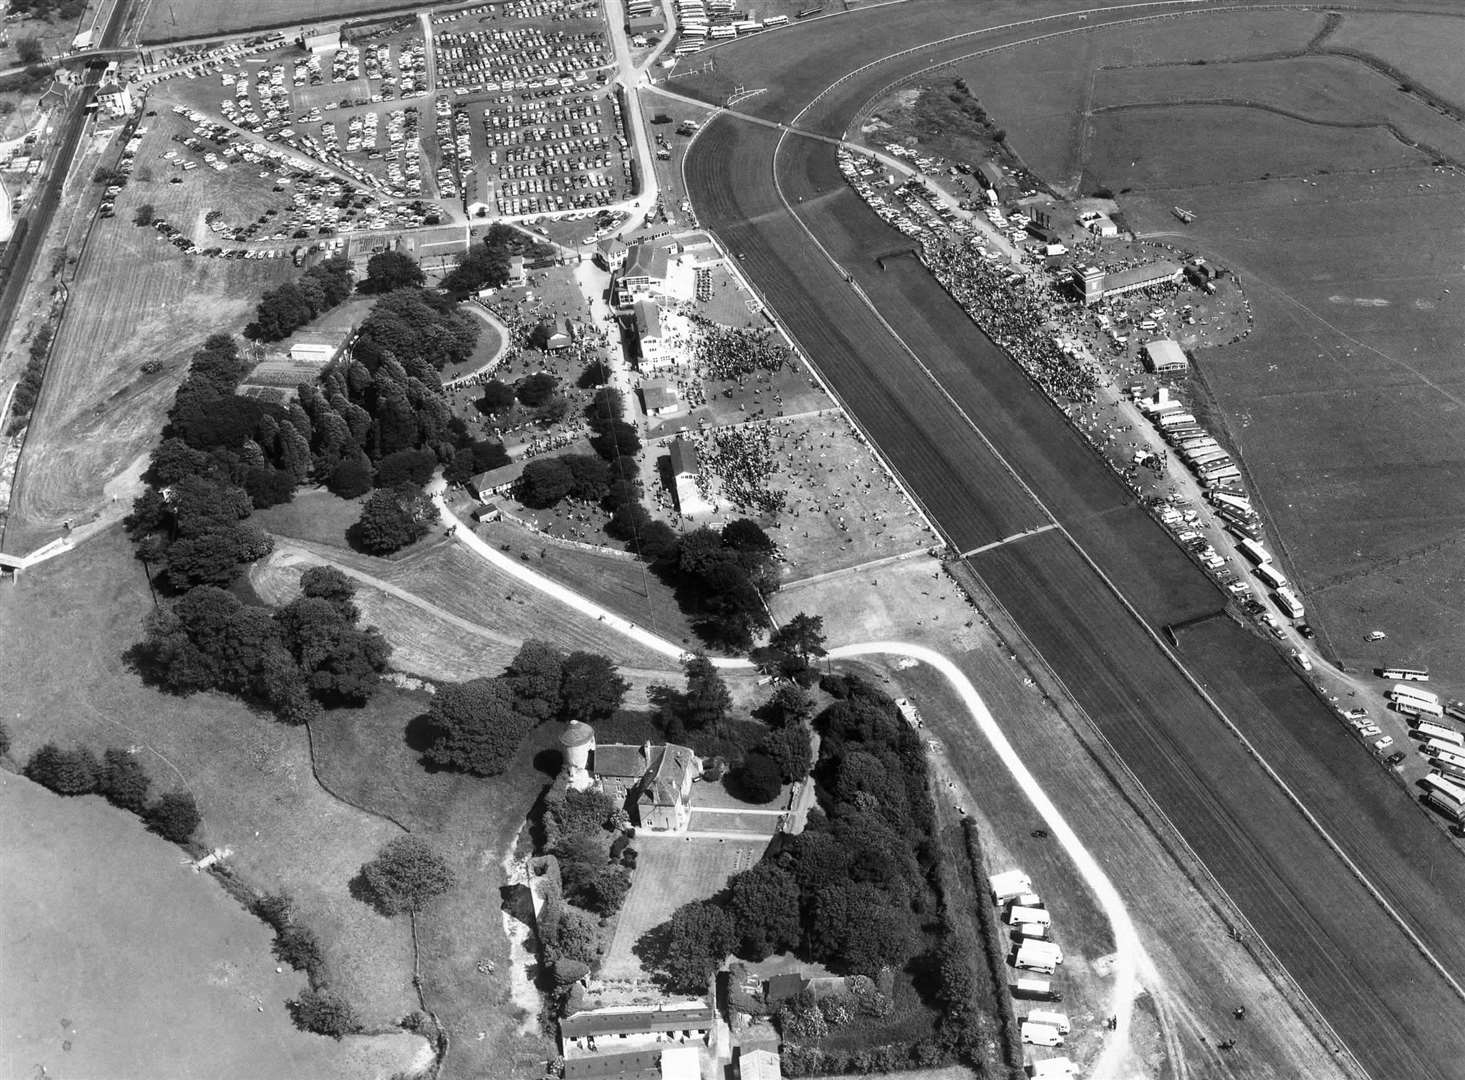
x=1445 y=795
x=775 y=20
x=1287 y=601
x=1455 y=710
x=1255 y=552
x=1400 y=692
x=1409 y=674
x=1415 y=710
x=1444 y=751
x=1436 y=733
x=1448 y=769
x=1268 y=573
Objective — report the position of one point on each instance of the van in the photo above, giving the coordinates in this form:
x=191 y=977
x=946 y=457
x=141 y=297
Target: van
x=1052 y=1018
x=1023 y=916
x=1040 y=1034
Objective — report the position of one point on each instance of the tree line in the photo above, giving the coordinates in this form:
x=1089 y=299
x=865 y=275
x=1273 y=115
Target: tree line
x=119 y=777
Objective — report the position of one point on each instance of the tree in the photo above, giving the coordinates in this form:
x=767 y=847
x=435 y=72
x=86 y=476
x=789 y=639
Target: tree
x=322 y=1011
x=174 y=816
x=789 y=747
x=4 y=741
x=331 y=584
x=144 y=214
x=414 y=467
x=388 y=270
x=299 y=947
x=706 y=701
x=758 y=778
x=391 y=519
x=790 y=704
x=802 y=636
x=66 y=772
x=28 y=50
x=496 y=397
x=339 y=661
x=590 y=688
x=123 y=781
x=351 y=476
x=535 y=675
x=406 y=875
x=545 y=481
x=609 y=889
x=581 y=858
x=764 y=904
x=855 y=930
x=477 y=726
x=616 y=439
x=572 y=937
x=691 y=945
x=591 y=476
x=535 y=389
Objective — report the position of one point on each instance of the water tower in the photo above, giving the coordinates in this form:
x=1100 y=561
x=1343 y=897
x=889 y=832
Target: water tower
x=577 y=743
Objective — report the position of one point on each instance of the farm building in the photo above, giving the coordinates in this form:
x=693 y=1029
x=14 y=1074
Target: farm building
x=655 y=1043
x=1165 y=357
x=1098 y=223
x=318 y=346
x=498 y=481
x=759 y=1064
x=319 y=41
x=655 y=782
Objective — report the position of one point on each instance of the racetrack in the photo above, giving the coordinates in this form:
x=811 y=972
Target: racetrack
x=1357 y=964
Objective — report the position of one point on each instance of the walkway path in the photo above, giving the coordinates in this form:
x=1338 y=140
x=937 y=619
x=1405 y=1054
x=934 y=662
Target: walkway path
x=1129 y=954
x=498 y=354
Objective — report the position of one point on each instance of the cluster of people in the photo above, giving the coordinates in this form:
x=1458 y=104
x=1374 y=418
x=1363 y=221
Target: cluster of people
x=1013 y=314
x=704 y=284
x=728 y=353
x=742 y=458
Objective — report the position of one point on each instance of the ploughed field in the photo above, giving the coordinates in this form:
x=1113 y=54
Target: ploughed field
x=1356 y=964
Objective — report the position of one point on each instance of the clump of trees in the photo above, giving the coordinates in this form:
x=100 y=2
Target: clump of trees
x=849 y=892
x=28 y=386
x=477 y=725
x=393 y=518
x=487 y=263
x=120 y=779
x=286 y=308
x=308 y=653
x=389 y=270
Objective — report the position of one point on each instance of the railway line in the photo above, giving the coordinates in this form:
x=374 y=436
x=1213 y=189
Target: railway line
x=1337 y=871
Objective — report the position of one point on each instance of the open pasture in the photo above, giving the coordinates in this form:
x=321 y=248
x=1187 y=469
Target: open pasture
x=66 y=624
x=164 y=22
x=671 y=871
x=1425 y=47
x=134 y=298
x=1326 y=90
x=122 y=962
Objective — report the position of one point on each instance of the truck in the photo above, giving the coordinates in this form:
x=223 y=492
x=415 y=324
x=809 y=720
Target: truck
x=1052 y=1018
x=1040 y=1034
x=1008 y=885
x=1024 y=916
x=1043 y=965
x=1038 y=949
x=1033 y=988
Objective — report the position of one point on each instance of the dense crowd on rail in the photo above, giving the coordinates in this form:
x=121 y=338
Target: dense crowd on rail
x=1014 y=314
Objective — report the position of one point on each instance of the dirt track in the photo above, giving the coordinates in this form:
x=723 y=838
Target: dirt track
x=1357 y=965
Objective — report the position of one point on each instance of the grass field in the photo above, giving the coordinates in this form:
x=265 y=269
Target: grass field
x=252 y=777
x=367 y=756
x=1421 y=45
x=122 y=962
x=670 y=872
x=134 y=298
x=206 y=18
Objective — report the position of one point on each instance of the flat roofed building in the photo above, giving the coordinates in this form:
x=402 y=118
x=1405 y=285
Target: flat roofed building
x=320 y=41
x=759 y=1064
x=1165 y=357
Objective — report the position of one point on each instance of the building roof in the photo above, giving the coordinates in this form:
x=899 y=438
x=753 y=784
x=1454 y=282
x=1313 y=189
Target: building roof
x=631 y=1065
x=681 y=1063
x=636 y=1021
x=1161 y=270
x=495 y=478
x=577 y=733
x=648 y=320
x=647 y=260
x=611 y=245
x=683 y=457
x=1164 y=354
x=658 y=394
x=991 y=172
x=620 y=761
x=671 y=767
x=759 y=1065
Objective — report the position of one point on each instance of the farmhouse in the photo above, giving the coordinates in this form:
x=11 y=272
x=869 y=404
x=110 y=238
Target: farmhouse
x=1165 y=357
x=654 y=781
x=115 y=98
x=486 y=485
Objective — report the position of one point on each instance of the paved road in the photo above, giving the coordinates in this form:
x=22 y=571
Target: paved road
x=989 y=459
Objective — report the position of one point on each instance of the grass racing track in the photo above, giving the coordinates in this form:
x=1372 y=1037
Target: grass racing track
x=1396 y=1012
